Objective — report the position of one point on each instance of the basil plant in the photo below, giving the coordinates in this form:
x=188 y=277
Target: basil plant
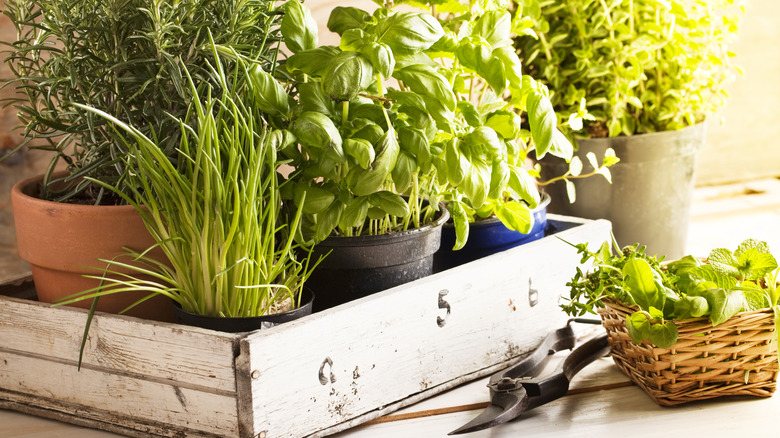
x=409 y=110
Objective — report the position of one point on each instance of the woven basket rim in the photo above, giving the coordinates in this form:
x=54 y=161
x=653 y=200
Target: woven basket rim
x=635 y=308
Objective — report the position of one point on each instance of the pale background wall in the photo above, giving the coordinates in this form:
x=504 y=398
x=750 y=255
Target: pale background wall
x=740 y=148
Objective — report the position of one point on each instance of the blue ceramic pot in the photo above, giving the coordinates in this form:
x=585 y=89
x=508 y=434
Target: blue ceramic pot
x=486 y=237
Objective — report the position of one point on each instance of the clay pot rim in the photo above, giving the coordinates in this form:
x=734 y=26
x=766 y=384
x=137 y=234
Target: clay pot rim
x=26 y=190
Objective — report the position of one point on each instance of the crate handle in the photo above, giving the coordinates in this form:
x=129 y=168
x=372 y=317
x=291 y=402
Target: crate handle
x=323 y=378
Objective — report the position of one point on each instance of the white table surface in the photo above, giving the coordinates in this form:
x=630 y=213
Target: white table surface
x=602 y=402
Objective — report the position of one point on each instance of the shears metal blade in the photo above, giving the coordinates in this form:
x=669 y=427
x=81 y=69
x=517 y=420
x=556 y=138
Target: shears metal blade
x=518 y=389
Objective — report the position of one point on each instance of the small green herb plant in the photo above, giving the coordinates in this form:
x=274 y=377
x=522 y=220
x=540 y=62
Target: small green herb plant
x=727 y=283
x=409 y=110
x=633 y=66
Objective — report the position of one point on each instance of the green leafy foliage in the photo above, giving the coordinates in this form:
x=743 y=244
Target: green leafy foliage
x=629 y=67
x=727 y=284
x=432 y=107
x=127 y=58
x=216 y=213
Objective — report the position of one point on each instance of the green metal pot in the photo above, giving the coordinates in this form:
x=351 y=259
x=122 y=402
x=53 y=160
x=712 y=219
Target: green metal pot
x=649 y=199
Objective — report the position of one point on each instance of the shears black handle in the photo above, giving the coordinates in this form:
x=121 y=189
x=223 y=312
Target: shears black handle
x=556 y=385
x=517 y=389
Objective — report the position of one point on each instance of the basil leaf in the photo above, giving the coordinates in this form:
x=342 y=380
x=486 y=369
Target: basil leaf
x=414 y=142
x=361 y=150
x=523 y=186
x=641 y=285
x=269 y=95
x=479 y=58
x=457 y=164
x=543 y=122
x=312 y=62
x=499 y=179
x=513 y=69
x=353 y=40
x=346 y=75
x=354 y=213
x=469 y=113
x=316 y=198
x=298 y=27
x=476 y=183
x=506 y=123
x=371 y=132
x=474 y=55
x=317 y=131
x=407 y=32
x=515 y=216
x=724 y=304
x=460 y=222
x=485 y=142
x=391 y=203
x=344 y=18
x=381 y=58
x=426 y=81
x=369 y=181
x=328 y=220
x=495 y=27
x=402 y=173
x=638 y=327
x=312 y=98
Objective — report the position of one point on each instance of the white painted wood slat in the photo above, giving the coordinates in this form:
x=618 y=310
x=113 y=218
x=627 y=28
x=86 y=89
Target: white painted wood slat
x=122 y=344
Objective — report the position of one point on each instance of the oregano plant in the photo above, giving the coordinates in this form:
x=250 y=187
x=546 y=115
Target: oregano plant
x=633 y=66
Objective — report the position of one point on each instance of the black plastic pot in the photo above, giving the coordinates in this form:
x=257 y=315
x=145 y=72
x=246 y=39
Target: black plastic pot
x=486 y=237
x=247 y=324
x=359 y=266
x=649 y=199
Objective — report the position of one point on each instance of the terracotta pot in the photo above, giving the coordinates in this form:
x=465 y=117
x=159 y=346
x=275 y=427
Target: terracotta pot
x=62 y=242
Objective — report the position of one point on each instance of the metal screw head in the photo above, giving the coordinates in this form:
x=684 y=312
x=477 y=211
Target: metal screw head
x=256 y=374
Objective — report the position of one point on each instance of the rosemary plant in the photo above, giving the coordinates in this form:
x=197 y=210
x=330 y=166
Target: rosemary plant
x=218 y=216
x=126 y=57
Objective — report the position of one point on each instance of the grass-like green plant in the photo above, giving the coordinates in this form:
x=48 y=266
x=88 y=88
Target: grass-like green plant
x=634 y=66
x=217 y=215
x=126 y=57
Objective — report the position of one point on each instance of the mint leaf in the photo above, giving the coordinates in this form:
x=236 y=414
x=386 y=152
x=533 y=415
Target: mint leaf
x=707 y=275
x=754 y=264
x=723 y=262
x=664 y=335
x=655 y=313
x=751 y=244
x=638 y=326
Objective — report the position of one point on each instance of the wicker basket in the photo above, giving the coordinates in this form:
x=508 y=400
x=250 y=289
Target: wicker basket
x=737 y=357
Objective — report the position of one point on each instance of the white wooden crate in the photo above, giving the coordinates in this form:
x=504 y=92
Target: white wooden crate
x=312 y=377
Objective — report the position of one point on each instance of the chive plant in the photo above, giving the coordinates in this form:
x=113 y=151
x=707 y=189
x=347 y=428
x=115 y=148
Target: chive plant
x=218 y=215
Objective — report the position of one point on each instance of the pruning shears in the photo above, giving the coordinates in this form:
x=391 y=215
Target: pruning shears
x=518 y=389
